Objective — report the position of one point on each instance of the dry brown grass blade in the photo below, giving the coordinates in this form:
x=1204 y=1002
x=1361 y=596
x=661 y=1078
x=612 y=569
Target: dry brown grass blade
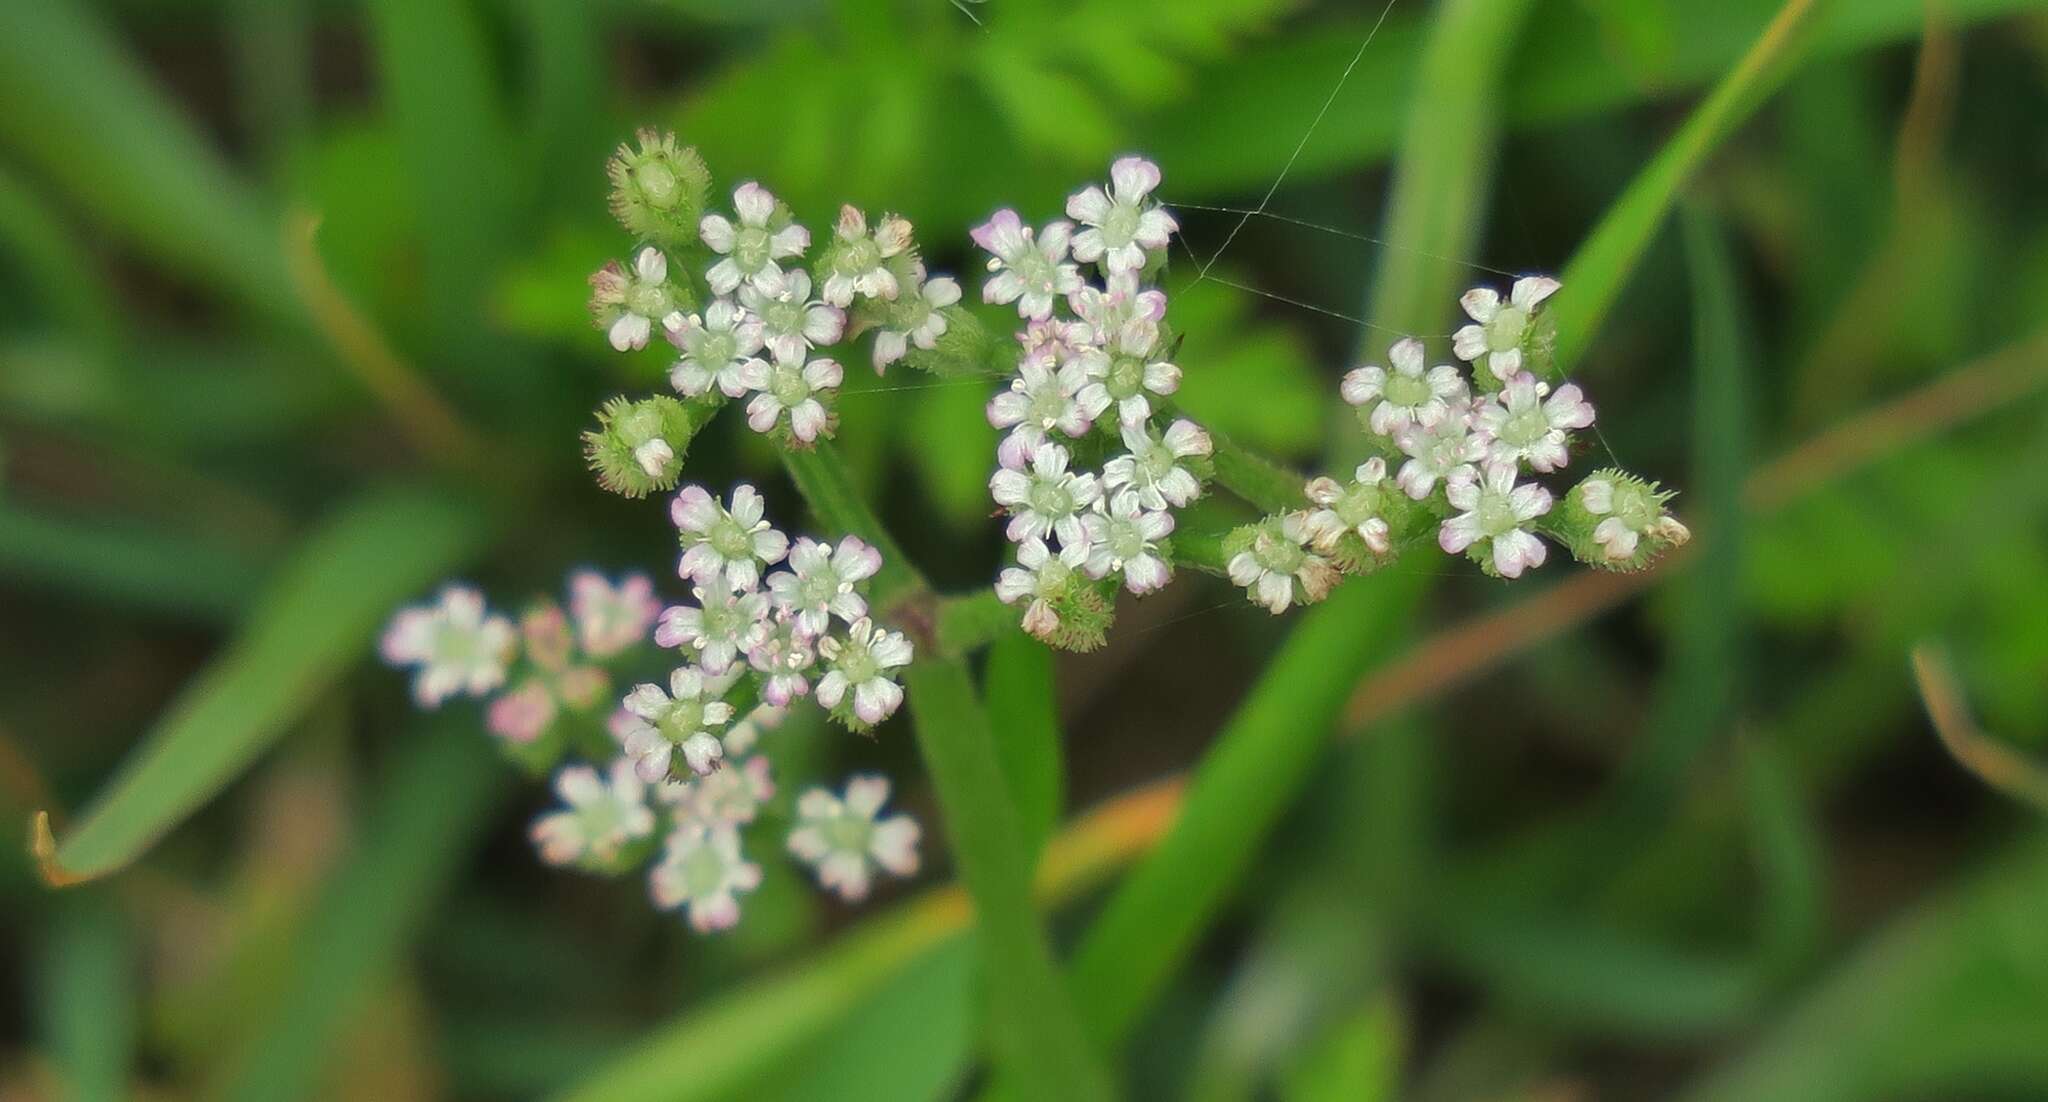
x=428 y=422
x=1994 y=762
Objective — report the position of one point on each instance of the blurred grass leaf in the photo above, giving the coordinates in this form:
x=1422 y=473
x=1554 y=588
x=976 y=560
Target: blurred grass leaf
x=1358 y=1059
x=87 y=996
x=1248 y=379
x=1602 y=264
x=69 y=93
x=314 y=622
x=429 y=812
x=1950 y=1000
x=126 y=563
x=866 y=1057
x=1022 y=711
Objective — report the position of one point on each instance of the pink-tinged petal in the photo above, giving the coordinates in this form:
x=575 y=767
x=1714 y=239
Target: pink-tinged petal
x=894 y=845
x=770 y=545
x=789 y=241
x=754 y=204
x=1362 y=385
x=1407 y=356
x=717 y=232
x=1002 y=234
x=724 y=276
x=1162 y=378
x=1006 y=286
x=1481 y=304
x=650 y=266
x=1040 y=621
x=1133 y=177
x=824 y=374
x=1505 y=365
x=1597 y=494
x=693 y=509
x=1458 y=533
x=1529 y=501
x=1155 y=228
x=1090 y=205
x=807 y=420
x=1469 y=343
x=1052 y=240
x=1529 y=293
x=629 y=332
x=1517 y=551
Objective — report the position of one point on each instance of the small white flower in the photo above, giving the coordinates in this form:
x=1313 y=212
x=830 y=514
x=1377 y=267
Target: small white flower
x=1502 y=327
x=1437 y=452
x=1355 y=508
x=918 y=319
x=1277 y=559
x=792 y=388
x=791 y=322
x=859 y=263
x=1121 y=224
x=845 y=839
x=627 y=303
x=1406 y=395
x=1047 y=499
x=1495 y=512
x=1055 y=340
x=458 y=647
x=714 y=348
x=703 y=871
x=722 y=625
x=1043 y=577
x=1030 y=269
x=822 y=583
x=1117 y=307
x=603 y=814
x=1153 y=465
x=1041 y=398
x=751 y=248
x=1123 y=373
x=1529 y=424
x=783 y=657
x=729 y=797
x=861 y=663
x=736 y=541
x=681 y=717
x=611 y=618
x=1125 y=540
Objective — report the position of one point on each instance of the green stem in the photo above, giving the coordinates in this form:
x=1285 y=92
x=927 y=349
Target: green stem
x=970 y=621
x=1270 y=485
x=1036 y=1033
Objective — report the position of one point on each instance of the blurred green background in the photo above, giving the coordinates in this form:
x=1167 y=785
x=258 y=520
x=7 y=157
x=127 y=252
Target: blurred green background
x=1705 y=845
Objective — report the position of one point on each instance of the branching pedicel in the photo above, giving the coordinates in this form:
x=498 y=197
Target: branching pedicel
x=1092 y=472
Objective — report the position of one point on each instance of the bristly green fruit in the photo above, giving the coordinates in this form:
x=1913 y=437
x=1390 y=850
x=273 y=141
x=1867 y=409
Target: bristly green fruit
x=638 y=447
x=659 y=190
x=965 y=350
x=1617 y=521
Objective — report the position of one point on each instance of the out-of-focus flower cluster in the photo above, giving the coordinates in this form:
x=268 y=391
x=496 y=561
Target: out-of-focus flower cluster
x=771 y=621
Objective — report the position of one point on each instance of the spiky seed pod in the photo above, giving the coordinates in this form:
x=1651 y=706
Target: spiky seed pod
x=659 y=190
x=964 y=350
x=638 y=446
x=1618 y=521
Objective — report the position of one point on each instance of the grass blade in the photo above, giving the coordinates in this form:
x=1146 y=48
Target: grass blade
x=721 y=1048
x=69 y=94
x=314 y=622
x=88 y=996
x=1594 y=278
x=433 y=808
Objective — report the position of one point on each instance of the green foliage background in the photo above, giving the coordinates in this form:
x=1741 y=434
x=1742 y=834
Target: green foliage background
x=1704 y=845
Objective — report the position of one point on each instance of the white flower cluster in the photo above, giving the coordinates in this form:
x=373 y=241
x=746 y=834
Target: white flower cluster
x=607 y=822
x=1093 y=361
x=763 y=334
x=782 y=624
x=1462 y=448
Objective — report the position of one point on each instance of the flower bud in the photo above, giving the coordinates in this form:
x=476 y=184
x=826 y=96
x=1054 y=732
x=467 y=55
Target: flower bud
x=1616 y=521
x=659 y=190
x=638 y=447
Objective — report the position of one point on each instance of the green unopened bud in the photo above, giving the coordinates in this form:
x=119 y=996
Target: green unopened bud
x=659 y=190
x=1616 y=521
x=638 y=447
